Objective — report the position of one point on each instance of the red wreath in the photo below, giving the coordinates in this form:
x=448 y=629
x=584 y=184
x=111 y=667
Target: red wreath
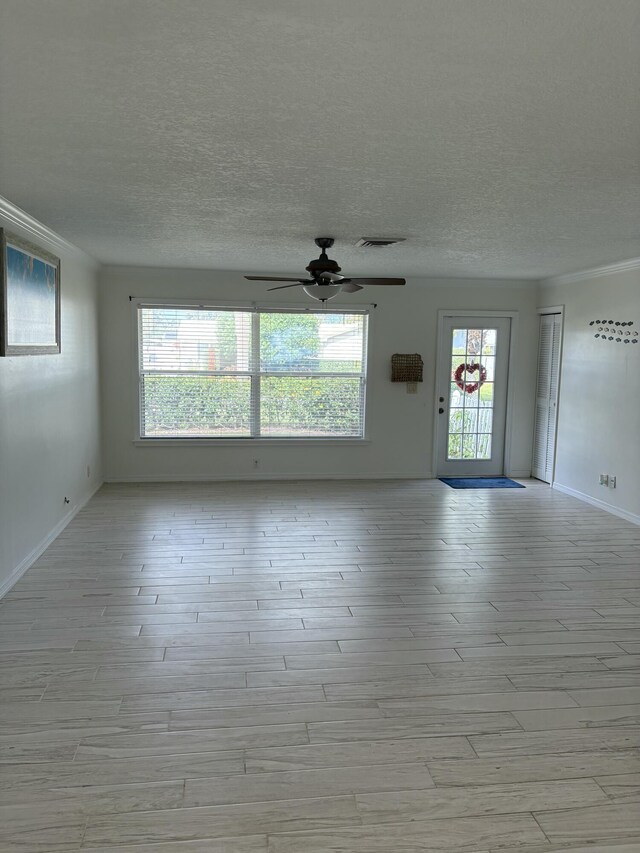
x=470 y=387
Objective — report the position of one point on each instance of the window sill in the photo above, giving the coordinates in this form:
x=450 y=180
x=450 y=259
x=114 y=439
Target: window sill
x=251 y=442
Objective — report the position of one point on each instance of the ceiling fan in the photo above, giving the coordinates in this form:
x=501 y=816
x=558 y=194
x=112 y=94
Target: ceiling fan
x=324 y=280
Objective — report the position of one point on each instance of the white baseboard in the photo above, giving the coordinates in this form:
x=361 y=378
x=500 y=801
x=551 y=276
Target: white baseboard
x=520 y=475
x=42 y=546
x=582 y=496
x=230 y=478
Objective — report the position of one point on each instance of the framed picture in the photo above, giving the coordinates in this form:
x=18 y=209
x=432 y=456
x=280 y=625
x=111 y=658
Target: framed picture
x=30 y=298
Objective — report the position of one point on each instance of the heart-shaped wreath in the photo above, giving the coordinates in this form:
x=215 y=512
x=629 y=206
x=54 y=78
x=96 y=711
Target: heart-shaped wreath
x=470 y=387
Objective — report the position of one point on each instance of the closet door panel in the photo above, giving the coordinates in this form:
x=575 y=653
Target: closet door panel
x=546 y=396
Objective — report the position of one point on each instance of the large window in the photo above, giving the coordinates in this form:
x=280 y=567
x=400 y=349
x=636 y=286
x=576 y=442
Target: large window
x=233 y=373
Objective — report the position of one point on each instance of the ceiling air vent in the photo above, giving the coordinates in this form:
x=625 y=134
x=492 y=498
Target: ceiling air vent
x=368 y=242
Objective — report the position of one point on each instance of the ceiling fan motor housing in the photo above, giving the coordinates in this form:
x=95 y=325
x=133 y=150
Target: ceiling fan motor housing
x=322 y=264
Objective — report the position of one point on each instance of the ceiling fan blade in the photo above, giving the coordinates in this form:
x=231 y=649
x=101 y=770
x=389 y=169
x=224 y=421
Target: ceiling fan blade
x=269 y=278
x=283 y=286
x=332 y=277
x=350 y=287
x=368 y=281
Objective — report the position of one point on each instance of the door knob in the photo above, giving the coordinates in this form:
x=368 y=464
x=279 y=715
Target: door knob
x=441 y=411
x=441 y=399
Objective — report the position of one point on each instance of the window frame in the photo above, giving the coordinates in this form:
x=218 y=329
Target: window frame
x=255 y=375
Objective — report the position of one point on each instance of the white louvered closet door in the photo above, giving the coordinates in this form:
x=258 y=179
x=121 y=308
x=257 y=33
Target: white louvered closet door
x=544 y=442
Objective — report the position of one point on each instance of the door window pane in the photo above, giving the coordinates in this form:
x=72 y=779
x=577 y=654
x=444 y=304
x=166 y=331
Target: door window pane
x=489 y=364
x=469 y=446
x=456 y=417
x=485 y=420
x=484 y=447
x=474 y=341
x=459 y=340
x=470 y=420
x=471 y=399
x=456 y=396
x=455 y=447
x=489 y=342
x=456 y=361
x=486 y=395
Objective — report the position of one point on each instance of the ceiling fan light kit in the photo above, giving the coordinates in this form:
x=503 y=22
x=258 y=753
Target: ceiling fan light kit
x=325 y=280
x=322 y=292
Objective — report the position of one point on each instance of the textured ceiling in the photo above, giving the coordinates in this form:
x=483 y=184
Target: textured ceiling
x=500 y=137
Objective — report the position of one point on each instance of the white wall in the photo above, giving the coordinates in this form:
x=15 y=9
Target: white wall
x=49 y=417
x=399 y=425
x=599 y=406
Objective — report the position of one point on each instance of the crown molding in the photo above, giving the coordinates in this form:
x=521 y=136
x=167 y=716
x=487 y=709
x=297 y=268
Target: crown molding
x=32 y=228
x=594 y=272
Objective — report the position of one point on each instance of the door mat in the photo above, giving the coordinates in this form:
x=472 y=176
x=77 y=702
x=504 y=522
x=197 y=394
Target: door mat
x=481 y=483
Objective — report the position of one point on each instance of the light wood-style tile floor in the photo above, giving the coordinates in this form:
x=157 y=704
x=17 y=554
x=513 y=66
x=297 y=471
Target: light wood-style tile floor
x=354 y=667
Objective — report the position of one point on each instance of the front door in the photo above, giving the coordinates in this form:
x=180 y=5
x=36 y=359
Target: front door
x=472 y=394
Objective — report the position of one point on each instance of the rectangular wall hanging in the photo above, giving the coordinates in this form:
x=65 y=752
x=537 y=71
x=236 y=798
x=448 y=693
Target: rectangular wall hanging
x=406 y=367
x=29 y=298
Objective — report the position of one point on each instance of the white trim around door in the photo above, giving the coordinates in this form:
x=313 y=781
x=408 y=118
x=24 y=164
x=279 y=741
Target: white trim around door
x=438 y=422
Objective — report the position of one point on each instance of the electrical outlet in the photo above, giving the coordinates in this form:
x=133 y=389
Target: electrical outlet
x=604 y=480
x=612 y=481
x=412 y=387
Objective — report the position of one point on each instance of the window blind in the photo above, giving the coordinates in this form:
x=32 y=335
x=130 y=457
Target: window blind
x=208 y=372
